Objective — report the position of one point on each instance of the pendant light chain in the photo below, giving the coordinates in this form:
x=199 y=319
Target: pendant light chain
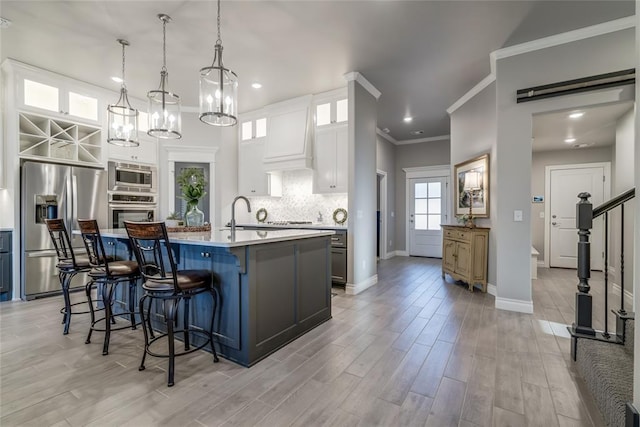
x=123 y=80
x=219 y=41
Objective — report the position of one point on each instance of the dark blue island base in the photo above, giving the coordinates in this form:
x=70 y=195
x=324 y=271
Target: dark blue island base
x=270 y=293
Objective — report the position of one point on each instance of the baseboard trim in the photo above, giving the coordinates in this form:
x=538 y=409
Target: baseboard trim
x=354 y=289
x=616 y=290
x=390 y=255
x=491 y=289
x=402 y=253
x=514 y=305
x=541 y=264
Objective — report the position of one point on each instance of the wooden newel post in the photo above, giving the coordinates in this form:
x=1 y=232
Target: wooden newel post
x=584 y=223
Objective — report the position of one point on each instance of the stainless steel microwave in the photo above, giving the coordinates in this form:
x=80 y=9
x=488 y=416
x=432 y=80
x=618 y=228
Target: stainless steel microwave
x=132 y=177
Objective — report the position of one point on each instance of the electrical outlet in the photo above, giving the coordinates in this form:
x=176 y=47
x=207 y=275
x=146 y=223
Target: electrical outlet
x=542 y=214
x=517 y=216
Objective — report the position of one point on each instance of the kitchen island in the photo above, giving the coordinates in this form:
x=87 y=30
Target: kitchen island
x=274 y=285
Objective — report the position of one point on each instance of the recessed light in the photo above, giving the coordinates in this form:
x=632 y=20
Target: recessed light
x=408 y=119
x=570 y=140
x=576 y=115
x=580 y=145
x=256 y=85
x=116 y=79
x=416 y=132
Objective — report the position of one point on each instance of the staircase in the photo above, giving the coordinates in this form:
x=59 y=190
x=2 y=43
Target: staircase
x=604 y=359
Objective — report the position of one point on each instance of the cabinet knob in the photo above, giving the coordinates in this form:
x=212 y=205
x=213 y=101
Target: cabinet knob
x=110 y=243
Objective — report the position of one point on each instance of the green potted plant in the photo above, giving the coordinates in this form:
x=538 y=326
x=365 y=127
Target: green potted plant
x=174 y=219
x=192 y=184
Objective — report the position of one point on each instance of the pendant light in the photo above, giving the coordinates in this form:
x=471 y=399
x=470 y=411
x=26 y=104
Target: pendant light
x=218 y=90
x=164 y=106
x=121 y=117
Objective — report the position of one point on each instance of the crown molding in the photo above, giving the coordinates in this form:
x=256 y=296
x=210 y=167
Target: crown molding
x=428 y=139
x=356 y=76
x=473 y=92
x=543 y=43
x=386 y=136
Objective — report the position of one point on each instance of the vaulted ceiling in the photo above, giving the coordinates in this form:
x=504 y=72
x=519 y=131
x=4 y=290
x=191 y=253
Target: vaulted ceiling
x=422 y=55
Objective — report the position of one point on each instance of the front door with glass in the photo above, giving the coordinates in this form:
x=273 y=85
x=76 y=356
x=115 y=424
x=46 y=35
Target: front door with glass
x=428 y=209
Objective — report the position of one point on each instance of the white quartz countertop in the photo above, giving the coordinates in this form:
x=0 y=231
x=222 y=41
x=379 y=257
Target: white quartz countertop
x=314 y=226
x=223 y=238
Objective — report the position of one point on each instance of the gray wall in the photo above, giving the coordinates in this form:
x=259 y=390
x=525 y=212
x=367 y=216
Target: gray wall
x=386 y=162
x=623 y=181
x=595 y=55
x=539 y=161
x=408 y=156
x=473 y=133
x=362 y=185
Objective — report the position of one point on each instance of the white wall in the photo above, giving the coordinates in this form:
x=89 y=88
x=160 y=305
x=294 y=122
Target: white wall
x=473 y=133
x=385 y=160
x=361 y=253
x=595 y=55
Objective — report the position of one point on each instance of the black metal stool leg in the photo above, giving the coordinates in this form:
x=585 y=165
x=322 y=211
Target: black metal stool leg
x=107 y=292
x=169 y=315
x=61 y=278
x=132 y=304
x=67 y=302
x=214 y=308
x=186 y=323
x=144 y=330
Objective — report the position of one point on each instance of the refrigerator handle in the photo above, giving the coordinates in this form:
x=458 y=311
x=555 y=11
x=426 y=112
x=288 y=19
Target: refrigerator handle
x=74 y=201
x=69 y=203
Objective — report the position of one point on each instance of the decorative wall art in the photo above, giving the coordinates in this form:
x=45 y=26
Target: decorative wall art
x=471 y=188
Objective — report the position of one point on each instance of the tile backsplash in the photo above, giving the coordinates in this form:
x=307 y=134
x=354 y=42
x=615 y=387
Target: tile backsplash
x=298 y=203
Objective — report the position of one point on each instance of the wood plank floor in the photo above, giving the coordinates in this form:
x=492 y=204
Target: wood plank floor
x=413 y=350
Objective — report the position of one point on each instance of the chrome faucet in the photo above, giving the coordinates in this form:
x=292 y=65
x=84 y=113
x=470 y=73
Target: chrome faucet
x=233 y=212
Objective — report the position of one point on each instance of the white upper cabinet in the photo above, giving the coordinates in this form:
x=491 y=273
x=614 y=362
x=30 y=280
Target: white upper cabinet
x=147 y=151
x=334 y=111
x=252 y=179
x=59 y=97
x=289 y=132
x=330 y=160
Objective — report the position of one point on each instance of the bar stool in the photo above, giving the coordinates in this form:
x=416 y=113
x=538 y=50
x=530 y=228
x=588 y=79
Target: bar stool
x=162 y=281
x=68 y=266
x=109 y=274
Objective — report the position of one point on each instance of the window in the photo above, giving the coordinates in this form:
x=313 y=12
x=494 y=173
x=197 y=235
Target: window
x=428 y=205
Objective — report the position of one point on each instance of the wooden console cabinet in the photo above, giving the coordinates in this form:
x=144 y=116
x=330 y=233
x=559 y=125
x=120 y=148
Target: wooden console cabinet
x=465 y=253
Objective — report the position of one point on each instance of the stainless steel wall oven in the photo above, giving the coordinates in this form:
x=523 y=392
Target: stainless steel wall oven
x=131 y=207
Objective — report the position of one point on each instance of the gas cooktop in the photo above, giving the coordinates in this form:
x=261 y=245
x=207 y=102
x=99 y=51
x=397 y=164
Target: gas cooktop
x=288 y=222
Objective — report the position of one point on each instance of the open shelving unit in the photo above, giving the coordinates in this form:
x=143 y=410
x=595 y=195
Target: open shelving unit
x=56 y=139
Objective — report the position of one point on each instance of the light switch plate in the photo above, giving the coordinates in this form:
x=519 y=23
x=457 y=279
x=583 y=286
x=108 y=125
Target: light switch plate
x=517 y=216
x=542 y=214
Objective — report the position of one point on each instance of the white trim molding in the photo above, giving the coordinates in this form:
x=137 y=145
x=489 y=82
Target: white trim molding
x=356 y=76
x=427 y=139
x=543 y=43
x=402 y=253
x=628 y=295
x=427 y=171
x=514 y=305
x=386 y=136
x=473 y=92
x=354 y=289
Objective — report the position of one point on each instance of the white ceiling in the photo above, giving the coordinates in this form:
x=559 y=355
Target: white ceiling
x=595 y=128
x=422 y=55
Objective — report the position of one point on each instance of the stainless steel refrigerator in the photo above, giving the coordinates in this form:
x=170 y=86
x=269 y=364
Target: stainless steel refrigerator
x=55 y=191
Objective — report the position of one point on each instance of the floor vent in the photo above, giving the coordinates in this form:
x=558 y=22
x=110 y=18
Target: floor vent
x=601 y=81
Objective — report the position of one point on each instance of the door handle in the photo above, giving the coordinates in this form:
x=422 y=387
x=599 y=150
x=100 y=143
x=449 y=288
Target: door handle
x=553 y=216
x=554 y=223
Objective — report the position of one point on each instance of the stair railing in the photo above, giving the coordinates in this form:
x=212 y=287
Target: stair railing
x=585 y=214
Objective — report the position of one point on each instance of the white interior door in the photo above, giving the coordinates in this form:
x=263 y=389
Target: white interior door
x=565 y=185
x=428 y=209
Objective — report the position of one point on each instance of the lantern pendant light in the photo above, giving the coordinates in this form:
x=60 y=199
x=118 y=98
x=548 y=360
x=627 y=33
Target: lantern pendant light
x=164 y=106
x=218 y=90
x=121 y=117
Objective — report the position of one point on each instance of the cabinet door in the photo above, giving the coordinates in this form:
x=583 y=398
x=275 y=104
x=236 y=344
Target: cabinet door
x=463 y=259
x=252 y=180
x=146 y=152
x=5 y=272
x=341 y=161
x=339 y=265
x=325 y=158
x=449 y=255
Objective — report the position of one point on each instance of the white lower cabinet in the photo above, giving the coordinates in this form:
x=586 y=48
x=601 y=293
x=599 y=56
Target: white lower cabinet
x=146 y=152
x=330 y=160
x=252 y=179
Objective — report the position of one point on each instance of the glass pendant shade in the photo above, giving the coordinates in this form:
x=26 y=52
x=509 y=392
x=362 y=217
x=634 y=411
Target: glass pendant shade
x=165 y=120
x=218 y=93
x=122 y=119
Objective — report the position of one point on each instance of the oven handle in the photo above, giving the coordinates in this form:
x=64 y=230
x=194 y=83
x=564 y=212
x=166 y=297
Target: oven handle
x=140 y=206
x=145 y=171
